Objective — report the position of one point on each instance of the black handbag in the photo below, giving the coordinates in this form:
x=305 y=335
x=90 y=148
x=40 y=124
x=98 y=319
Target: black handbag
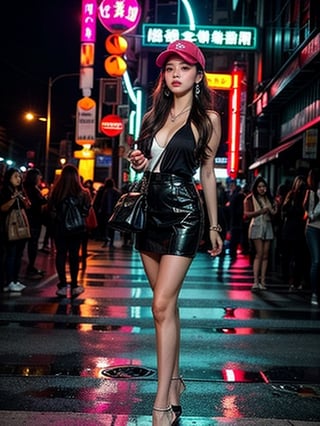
x=73 y=219
x=130 y=212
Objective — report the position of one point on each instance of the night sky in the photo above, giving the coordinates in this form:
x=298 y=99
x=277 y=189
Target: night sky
x=40 y=39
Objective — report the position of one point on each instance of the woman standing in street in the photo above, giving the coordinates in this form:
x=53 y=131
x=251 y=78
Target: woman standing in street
x=12 y=197
x=293 y=234
x=31 y=185
x=312 y=206
x=68 y=190
x=259 y=208
x=181 y=127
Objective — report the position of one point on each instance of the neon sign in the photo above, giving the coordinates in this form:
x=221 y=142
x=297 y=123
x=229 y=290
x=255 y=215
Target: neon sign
x=119 y=16
x=219 y=81
x=208 y=37
x=88 y=21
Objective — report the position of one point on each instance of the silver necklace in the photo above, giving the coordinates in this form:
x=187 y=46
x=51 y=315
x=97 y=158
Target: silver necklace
x=173 y=117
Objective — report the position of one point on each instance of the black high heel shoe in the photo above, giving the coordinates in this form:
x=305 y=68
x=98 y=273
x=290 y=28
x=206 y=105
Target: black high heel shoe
x=177 y=409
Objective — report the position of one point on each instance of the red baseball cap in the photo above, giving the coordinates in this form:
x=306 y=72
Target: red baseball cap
x=187 y=50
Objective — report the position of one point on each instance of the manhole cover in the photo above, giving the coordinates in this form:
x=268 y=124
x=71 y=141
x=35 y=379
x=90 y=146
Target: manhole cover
x=128 y=372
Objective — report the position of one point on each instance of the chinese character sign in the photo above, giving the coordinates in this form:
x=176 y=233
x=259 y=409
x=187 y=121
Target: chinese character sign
x=119 y=16
x=208 y=37
x=88 y=21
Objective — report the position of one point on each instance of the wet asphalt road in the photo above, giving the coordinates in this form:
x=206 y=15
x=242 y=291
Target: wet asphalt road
x=247 y=358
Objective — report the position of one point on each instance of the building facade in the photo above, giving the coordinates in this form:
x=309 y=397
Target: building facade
x=285 y=108
x=282 y=116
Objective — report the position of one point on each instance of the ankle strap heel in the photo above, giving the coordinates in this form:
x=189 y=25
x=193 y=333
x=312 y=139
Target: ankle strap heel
x=163 y=410
x=183 y=386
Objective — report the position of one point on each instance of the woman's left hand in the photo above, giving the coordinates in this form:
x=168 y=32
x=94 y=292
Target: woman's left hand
x=217 y=243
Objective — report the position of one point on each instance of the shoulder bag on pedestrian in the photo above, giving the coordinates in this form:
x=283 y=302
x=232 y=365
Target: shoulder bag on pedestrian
x=17 y=224
x=73 y=217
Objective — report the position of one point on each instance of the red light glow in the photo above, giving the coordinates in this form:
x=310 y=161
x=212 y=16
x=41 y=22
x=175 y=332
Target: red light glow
x=234 y=124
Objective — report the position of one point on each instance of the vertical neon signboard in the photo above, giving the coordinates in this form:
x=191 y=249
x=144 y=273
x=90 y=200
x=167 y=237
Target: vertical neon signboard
x=234 y=123
x=88 y=21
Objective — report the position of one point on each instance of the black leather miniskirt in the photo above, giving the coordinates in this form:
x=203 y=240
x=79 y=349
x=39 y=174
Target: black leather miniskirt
x=175 y=217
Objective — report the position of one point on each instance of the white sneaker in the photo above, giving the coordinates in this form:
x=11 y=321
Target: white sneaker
x=22 y=286
x=255 y=287
x=15 y=287
x=262 y=286
x=77 y=290
x=314 y=300
x=62 y=292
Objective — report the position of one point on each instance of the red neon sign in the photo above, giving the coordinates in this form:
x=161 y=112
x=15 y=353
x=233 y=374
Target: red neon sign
x=112 y=125
x=234 y=123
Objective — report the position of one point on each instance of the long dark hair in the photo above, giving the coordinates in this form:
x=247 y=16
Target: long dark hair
x=6 y=184
x=68 y=184
x=31 y=178
x=162 y=100
x=297 y=191
x=254 y=188
x=313 y=179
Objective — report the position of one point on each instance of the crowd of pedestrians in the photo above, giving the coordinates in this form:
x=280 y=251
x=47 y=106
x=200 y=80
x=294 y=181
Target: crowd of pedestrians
x=45 y=212
x=285 y=227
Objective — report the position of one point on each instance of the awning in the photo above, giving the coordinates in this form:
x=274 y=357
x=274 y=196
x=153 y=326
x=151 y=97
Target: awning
x=272 y=155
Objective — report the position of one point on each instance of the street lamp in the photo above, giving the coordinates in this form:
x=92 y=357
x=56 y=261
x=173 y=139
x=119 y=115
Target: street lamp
x=30 y=116
x=48 y=130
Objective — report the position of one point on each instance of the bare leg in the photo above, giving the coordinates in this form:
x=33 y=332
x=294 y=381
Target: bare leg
x=166 y=275
x=257 y=260
x=265 y=258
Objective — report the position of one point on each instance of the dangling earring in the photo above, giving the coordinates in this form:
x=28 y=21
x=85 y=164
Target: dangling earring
x=166 y=92
x=197 y=90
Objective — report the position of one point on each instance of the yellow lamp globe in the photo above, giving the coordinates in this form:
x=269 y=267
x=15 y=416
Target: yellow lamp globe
x=115 y=66
x=116 y=44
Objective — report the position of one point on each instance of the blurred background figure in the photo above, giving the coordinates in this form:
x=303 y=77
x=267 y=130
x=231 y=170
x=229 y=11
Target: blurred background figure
x=281 y=192
x=104 y=202
x=293 y=234
x=312 y=205
x=88 y=184
x=35 y=214
x=68 y=188
x=235 y=208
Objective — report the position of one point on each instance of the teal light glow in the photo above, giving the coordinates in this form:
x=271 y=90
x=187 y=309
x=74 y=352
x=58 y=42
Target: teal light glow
x=129 y=88
x=192 y=23
x=138 y=117
x=234 y=4
x=132 y=120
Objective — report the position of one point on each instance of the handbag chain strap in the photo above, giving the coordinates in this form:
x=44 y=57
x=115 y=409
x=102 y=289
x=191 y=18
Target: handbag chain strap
x=146 y=180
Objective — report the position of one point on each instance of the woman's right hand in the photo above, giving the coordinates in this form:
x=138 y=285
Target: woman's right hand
x=138 y=160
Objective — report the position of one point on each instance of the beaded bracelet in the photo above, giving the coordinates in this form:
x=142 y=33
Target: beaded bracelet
x=215 y=228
